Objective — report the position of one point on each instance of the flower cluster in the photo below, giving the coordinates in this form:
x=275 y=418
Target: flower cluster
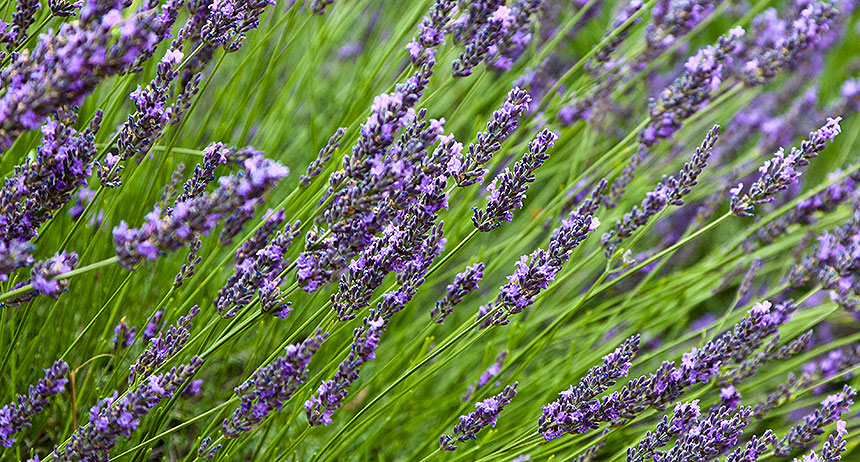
x=463 y=283
x=17 y=416
x=485 y=415
x=162 y=346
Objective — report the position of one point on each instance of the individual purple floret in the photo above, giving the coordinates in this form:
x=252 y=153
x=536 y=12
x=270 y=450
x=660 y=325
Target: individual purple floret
x=684 y=417
x=65 y=67
x=151 y=329
x=535 y=272
x=271 y=386
x=236 y=194
x=508 y=190
x=486 y=376
x=115 y=416
x=463 y=283
x=670 y=191
x=162 y=347
x=259 y=274
x=317 y=165
x=15 y=417
x=485 y=414
x=469 y=169
x=782 y=170
x=801 y=435
x=560 y=415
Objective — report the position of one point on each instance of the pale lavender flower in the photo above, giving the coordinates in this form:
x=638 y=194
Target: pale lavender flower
x=783 y=170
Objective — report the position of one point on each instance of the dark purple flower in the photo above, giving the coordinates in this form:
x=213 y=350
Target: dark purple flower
x=783 y=170
x=684 y=417
x=123 y=335
x=115 y=416
x=485 y=414
x=463 y=283
x=162 y=347
x=670 y=191
x=509 y=188
x=317 y=165
x=487 y=375
x=271 y=386
x=484 y=45
x=432 y=30
x=24 y=16
x=151 y=329
x=15 y=417
x=469 y=169
x=42 y=278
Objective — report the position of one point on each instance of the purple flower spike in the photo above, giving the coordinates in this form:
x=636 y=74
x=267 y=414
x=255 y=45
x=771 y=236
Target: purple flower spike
x=463 y=283
x=271 y=386
x=486 y=376
x=15 y=417
x=508 y=190
x=684 y=417
x=468 y=170
x=113 y=417
x=783 y=170
x=162 y=347
x=485 y=415
x=316 y=167
x=801 y=435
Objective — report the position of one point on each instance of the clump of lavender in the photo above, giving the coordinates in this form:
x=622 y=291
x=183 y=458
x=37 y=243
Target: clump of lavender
x=711 y=437
x=535 y=272
x=236 y=196
x=782 y=170
x=317 y=165
x=271 y=386
x=43 y=185
x=670 y=191
x=162 y=346
x=508 y=190
x=684 y=418
x=115 y=416
x=469 y=169
x=487 y=375
x=65 y=67
x=15 y=417
x=485 y=415
x=802 y=434
x=463 y=283
x=560 y=414
x=779 y=43
x=670 y=381
x=259 y=274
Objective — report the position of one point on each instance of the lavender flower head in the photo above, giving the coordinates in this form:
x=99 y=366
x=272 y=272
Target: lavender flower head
x=463 y=283
x=783 y=170
x=271 y=386
x=15 y=417
x=486 y=413
x=508 y=190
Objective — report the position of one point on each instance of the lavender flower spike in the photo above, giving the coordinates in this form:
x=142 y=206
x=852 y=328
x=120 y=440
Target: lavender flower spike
x=15 y=417
x=469 y=170
x=508 y=190
x=42 y=278
x=485 y=414
x=782 y=170
x=316 y=167
x=271 y=386
x=463 y=283
x=162 y=347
